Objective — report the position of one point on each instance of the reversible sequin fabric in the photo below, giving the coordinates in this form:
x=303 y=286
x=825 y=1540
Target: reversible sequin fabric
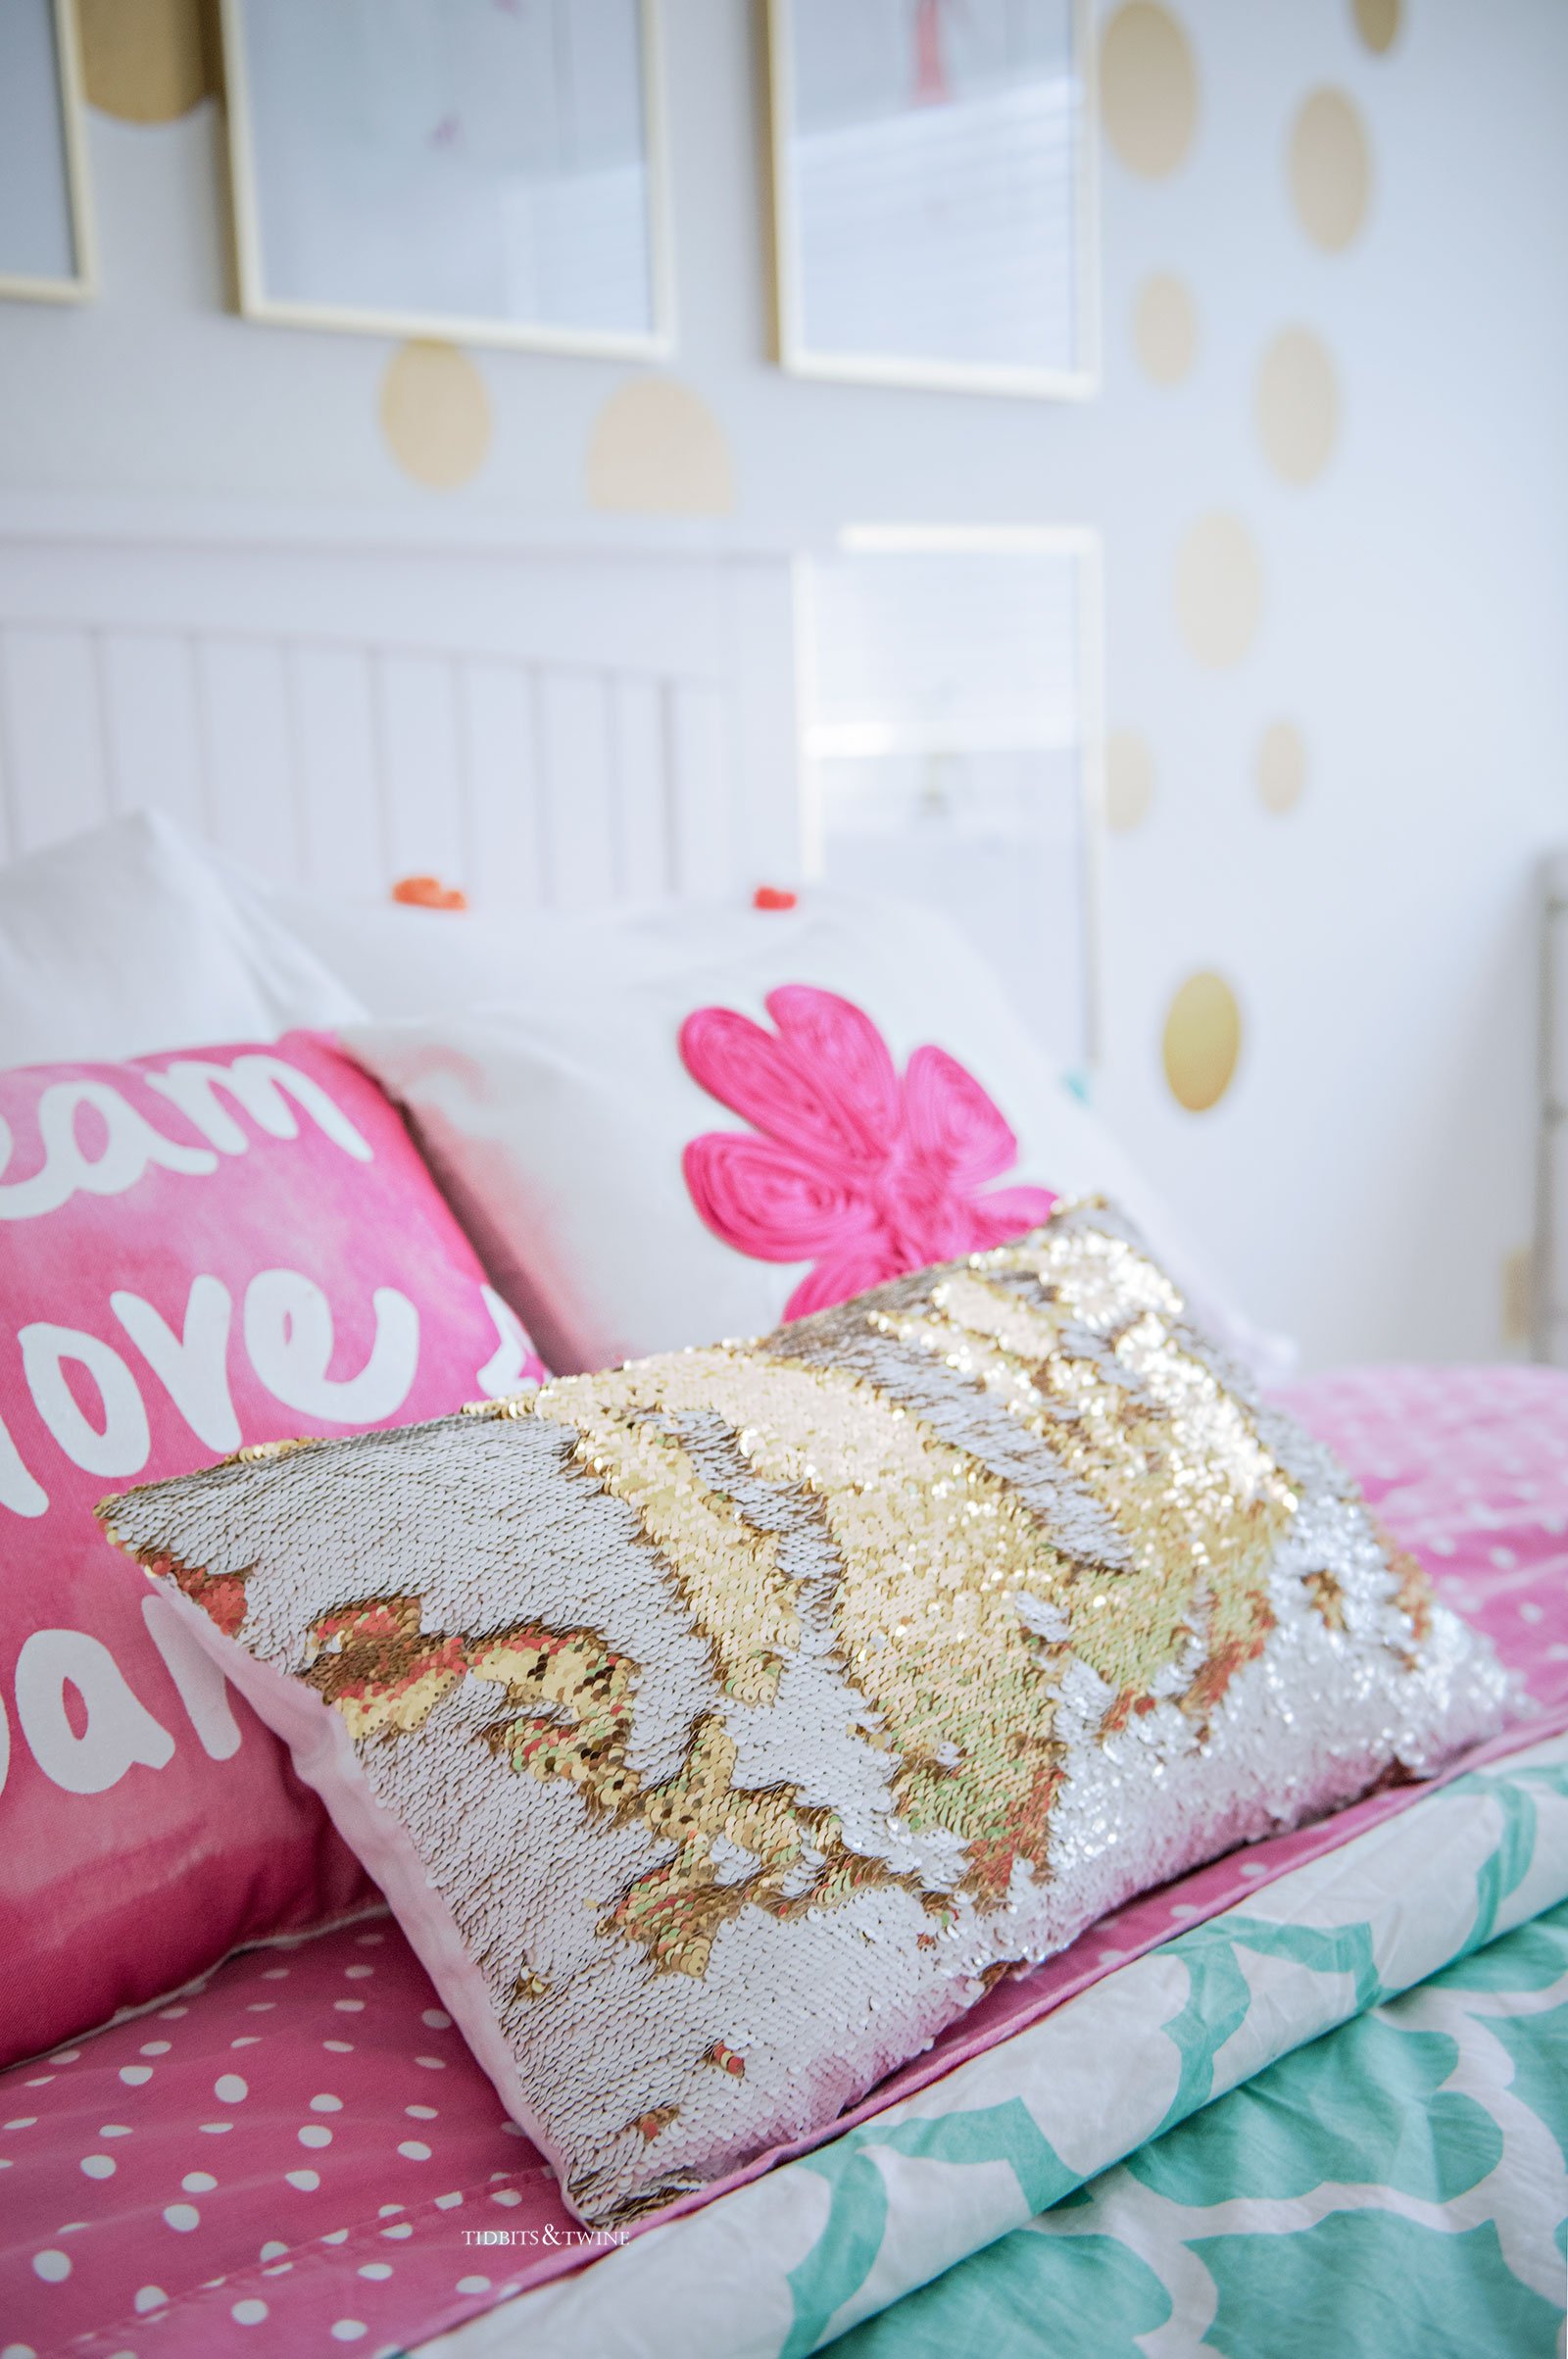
x=746 y=1710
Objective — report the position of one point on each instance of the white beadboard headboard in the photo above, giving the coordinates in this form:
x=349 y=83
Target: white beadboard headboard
x=340 y=702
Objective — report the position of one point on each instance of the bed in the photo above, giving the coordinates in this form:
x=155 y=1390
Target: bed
x=1308 y=2097
x=1321 y=2082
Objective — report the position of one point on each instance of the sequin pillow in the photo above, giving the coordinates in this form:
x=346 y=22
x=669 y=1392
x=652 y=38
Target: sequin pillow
x=718 y=1726
x=196 y=1252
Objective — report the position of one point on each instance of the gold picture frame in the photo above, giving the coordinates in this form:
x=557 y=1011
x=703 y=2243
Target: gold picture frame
x=80 y=283
x=1076 y=378
x=260 y=302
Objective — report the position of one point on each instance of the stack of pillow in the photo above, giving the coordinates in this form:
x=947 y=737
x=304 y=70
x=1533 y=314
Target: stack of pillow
x=811 y=1665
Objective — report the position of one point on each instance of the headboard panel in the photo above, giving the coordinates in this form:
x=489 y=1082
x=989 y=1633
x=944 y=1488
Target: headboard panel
x=573 y=726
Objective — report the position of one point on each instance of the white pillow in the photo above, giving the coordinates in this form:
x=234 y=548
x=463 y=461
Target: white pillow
x=124 y=941
x=562 y=1125
x=398 y=959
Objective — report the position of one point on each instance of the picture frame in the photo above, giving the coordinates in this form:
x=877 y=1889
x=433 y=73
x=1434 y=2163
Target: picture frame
x=953 y=743
x=903 y=230
x=48 y=243
x=475 y=182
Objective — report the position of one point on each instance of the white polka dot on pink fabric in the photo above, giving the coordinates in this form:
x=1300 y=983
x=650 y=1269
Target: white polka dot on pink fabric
x=349 y=2330
x=98 y=2166
x=198 y=2183
x=436 y=2019
x=473 y=2285
x=53 y=2266
x=375 y=2269
x=327 y=2104
x=135 y=2076
x=306 y=2180
x=229 y=2089
x=248 y=2313
x=415 y=2149
x=314 y=2134
x=354 y=1974
x=151 y=2297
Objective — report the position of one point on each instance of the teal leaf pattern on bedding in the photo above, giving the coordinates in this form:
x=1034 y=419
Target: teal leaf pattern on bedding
x=1365 y=2102
x=841 y=2260
x=1397 y=2187
x=1371 y=2282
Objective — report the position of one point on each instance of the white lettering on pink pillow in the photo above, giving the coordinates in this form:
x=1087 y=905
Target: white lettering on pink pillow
x=196 y=1254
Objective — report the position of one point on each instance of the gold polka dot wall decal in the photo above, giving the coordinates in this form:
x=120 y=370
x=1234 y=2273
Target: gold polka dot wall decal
x=1378 y=24
x=1218 y=589
x=145 y=61
x=1129 y=780
x=1165 y=328
x=1298 y=405
x=1329 y=170
x=1148 y=88
x=436 y=414
x=1203 y=1042
x=656 y=446
x=1281 y=768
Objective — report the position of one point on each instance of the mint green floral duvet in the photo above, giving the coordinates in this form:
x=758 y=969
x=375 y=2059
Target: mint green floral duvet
x=1397 y=2189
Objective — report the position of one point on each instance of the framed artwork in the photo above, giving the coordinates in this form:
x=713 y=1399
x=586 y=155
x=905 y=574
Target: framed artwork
x=46 y=230
x=934 y=192
x=953 y=744
x=490 y=171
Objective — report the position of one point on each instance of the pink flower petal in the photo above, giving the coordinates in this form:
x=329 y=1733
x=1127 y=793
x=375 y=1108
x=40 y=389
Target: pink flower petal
x=783 y=1094
x=949 y=1117
x=838 y=1042
x=871 y=1262
x=767 y=1202
x=1007 y=1213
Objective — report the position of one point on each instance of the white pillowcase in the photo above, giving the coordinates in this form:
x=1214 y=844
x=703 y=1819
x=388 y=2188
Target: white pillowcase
x=559 y=1124
x=124 y=941
x=398 y=959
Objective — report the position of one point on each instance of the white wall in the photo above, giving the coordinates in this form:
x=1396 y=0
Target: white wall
x=1368 y=1171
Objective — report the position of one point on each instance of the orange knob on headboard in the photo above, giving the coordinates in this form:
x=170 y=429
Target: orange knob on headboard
x=428 y=893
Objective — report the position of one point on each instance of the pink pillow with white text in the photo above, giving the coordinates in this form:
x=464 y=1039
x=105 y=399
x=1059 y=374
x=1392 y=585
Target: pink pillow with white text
x=198 y=1253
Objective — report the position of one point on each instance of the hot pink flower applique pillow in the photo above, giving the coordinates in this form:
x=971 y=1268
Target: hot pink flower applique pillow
x=197 y=1252
x=861 y=1170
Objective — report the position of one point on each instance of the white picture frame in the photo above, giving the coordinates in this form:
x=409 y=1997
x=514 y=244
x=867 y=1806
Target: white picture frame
x=48 y=247
x=982 y=193
x=377 y=182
